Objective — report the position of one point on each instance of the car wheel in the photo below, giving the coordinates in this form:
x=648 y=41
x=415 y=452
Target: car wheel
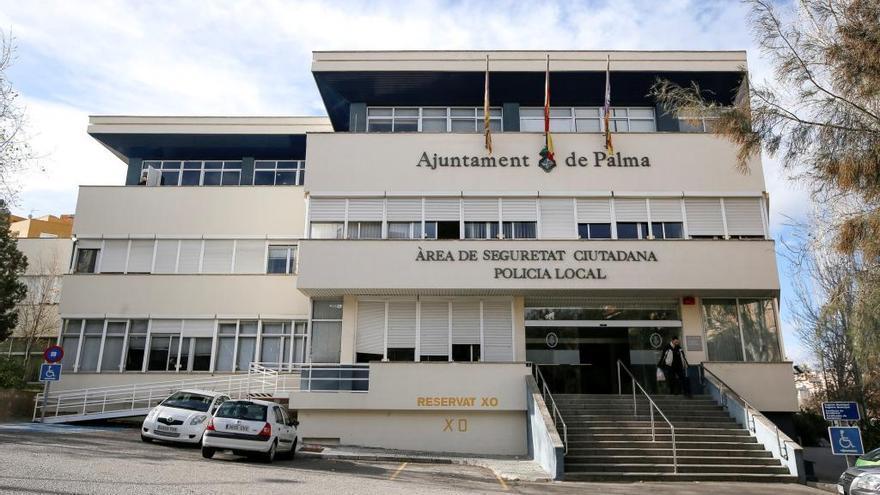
x=208 y=452
x=270 y=455
x=146 y=439
x=293 y=449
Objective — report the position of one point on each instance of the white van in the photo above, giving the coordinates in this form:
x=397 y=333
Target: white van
x=251 y=427
x=182 y=417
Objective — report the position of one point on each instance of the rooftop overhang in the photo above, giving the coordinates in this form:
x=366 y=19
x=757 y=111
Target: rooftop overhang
x=456 y=78
x=205 y=137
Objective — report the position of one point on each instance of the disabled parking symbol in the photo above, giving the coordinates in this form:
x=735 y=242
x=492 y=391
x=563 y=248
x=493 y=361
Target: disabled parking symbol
x=846 y=440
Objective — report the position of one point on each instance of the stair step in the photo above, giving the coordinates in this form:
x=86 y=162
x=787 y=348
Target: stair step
x=622 y=444
x=654 y=452
x=585 y=428
x=667 y=458
x=640 y=476
x=669 y=468
x=659 y=437
x=657 y=417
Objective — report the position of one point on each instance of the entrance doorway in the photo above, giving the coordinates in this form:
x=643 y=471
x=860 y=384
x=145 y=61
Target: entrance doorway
x=582 y=359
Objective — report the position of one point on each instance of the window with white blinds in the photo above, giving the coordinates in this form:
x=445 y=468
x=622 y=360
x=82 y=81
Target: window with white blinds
x=404 y=209
x=140 y=256
x=472 y=322
x=166 y=326
x=630 y=210
x=366 y=209
x=480 y=209
x=198 y=328
x=557 y=219
x=249 y=255
x=190 y=256
x=113 y=256
x=519 y=210
x=594 y=210
x=166 y=256
x=442 y=209
x=744 y=216
x=217 y=256
x=704 y=216
x=370 y=327
x=326 y=209
x=665 y=209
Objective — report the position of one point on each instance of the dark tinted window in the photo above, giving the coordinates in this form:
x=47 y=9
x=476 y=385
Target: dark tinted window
x=239 y=409
x=86 y=260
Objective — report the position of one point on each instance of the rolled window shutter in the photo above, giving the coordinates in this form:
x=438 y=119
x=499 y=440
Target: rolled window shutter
x=365 y=209
x=197 y=328
x=442 y=209
x=434 y=336
x=465 y=322
x=113 y=256
x=250 y=256
x=327 y=210
x=665 y=210
x=704 y=216
x=166 y=256
x=519 y=210
x=402 y=324
x=744 y=216
x=594 y=210
x=480 y=210
x=370 y=327
x=497 y=331
x=190 y=252
x=88 y=243
x=557 y=219
x=404 y=209
x=218 y=256
x=165 y=326
x=630 y=210
x=140 y=256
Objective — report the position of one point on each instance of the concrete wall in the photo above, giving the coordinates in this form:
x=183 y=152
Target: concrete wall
x=190 y=211
x=338 y=267
x=776 y=392
x=183 y=295
x=402 y=409
x=46 y=256
x=707 y=166
x=545 y=445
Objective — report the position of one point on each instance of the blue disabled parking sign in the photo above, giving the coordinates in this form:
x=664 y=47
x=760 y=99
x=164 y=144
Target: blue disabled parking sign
x=846 y=440
x=50 y=372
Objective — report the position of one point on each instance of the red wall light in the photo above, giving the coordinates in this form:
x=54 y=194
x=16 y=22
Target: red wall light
x=689 y=300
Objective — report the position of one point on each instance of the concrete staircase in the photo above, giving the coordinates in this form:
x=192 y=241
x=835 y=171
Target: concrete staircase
x=607 y=443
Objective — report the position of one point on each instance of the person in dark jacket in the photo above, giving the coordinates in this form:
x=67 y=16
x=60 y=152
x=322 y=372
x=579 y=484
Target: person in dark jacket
x=674 y=365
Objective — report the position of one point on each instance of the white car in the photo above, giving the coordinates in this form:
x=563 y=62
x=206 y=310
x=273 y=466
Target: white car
x=251 y=427
x=182 y=417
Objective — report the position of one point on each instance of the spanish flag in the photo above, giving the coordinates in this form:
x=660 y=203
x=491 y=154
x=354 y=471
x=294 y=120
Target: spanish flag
x=547 y=152
x=486 y=130
x=609 y=147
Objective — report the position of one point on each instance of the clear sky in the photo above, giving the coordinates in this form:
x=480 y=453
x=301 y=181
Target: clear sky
x=77 y=58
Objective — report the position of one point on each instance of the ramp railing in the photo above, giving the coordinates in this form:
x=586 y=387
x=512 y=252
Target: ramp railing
x=651 y=407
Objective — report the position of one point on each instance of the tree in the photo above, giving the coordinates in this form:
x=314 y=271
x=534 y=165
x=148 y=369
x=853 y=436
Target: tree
x=37 y=312
x=12 y=267
x=822 y=117
x=15 y=152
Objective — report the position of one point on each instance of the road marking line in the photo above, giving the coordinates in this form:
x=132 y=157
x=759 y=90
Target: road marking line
x=501 y=482
x=401 y=468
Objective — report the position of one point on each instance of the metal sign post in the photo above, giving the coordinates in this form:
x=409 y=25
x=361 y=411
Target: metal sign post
x=49 y=372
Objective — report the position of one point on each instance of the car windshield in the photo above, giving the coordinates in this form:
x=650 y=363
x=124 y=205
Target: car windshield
x=242 y=410
x=873 y=455
x=188 y=400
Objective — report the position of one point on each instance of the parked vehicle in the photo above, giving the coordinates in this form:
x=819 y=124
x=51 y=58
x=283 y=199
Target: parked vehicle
x=860 y=481
x=248 y=427
x=871 y=458
x=182 y=417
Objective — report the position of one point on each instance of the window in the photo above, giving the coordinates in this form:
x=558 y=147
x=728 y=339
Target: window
x=401 y=354
x=326 y=230
x=431 y=119
x=632 y=230
x=279 y=173
x=137 y=342
x=741 y=330
x=196 y=172
x=364 y=230
x=281 y=259
x=326 y=335
x=198 y=350
x=466 y=352
x=86 y=260
x=405 y=230
x=247 y=344
x=667 y=230
x=696 y=124
x=111 y=360
x=520 y=230
x=444 y=230
x=70 y=338
x=481 y=230
x=91 y=345
x=226 y=334
x=594 y=230
x=164 y=352
x=588 y=119
x=272 y=342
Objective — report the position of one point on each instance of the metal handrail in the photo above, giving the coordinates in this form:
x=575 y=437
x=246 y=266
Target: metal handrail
x=653 y=405
x=549 y=400
x=724 y=388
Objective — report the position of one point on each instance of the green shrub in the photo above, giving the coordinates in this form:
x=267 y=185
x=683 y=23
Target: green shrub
x=809 y=427
x=12 y=372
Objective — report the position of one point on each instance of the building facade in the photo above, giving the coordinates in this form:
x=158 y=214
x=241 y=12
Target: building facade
x=386 y=238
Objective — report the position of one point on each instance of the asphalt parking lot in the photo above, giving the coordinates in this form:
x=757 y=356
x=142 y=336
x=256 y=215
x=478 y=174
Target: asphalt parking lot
x=112 y=459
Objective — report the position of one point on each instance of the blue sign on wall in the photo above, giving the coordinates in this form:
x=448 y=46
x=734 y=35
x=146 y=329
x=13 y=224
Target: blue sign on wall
x=50 y=372
x=846 y=440
x=840 y=411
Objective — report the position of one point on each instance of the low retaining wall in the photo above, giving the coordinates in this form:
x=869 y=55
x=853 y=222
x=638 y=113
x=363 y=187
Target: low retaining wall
x=16 y=405
x=545 y=445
